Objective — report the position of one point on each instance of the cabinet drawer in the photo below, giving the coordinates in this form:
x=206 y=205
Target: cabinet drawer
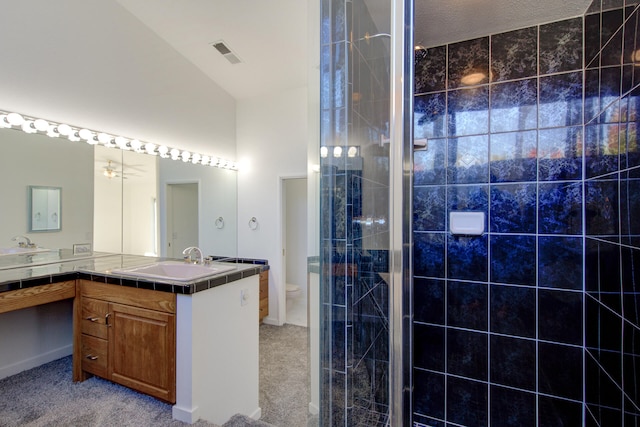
x=94 y=314
x=143 y=298
x=94 y=355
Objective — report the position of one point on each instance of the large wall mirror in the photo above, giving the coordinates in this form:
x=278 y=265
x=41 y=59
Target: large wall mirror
x=114 y=200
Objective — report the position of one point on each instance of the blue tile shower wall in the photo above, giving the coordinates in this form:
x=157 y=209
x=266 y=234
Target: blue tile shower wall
x=612 y=224
x=353 y=227
x=536 y=322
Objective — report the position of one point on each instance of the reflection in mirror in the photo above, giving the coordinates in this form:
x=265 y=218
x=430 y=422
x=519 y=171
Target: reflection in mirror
x=127 y=214
x=107 y=203
x=215 y=198
x=44 y=208
x=37 y=160
x=125 y=206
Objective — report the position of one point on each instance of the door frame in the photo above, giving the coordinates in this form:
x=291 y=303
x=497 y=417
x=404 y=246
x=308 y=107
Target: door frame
x=164 y=224
x=282 y=285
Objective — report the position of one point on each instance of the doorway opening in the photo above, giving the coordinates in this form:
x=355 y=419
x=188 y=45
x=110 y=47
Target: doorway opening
x=294 y=250
x=284 y=351
x=182 y=218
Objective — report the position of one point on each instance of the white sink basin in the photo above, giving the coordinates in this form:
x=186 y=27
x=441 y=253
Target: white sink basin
x=19 y=251
x=174 y=270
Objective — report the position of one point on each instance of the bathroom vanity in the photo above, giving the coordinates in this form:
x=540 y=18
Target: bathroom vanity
x=126 y=335
x=192 y=343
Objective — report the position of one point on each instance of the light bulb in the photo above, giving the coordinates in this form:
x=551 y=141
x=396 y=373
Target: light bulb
x=122 y=142
x=104 y=138
x=337 y=151
x=324 y=152
x=52 y=132
x=64 y=129
x=352 y=151
x=215 y=161
x=185 y=156
x=4 y=123
x=135 y=144
x=15 y=119
x=85 y=134
x=73 y=137
x=150 y=148
x=205 y=160
x=27 y=127
x=175 y=153
x=163 y=150
x=110 y=173
x=41 y=125
x=195 y=159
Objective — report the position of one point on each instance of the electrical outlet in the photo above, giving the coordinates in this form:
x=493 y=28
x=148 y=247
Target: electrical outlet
x=244 y=297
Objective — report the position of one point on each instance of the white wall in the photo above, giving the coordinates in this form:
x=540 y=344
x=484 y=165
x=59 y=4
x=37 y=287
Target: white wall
x=217 y=357
x=107 y=219
x=313 y=129
x=45 y=333
x=91 y=63
x=218 y=198
x=38 y=160
x=271 y=143
x=140 y=204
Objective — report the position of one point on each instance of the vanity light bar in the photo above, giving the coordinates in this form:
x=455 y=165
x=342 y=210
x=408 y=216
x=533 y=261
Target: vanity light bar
x=29 y=124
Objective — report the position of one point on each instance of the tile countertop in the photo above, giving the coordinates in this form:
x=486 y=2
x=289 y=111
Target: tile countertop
x=98 y=269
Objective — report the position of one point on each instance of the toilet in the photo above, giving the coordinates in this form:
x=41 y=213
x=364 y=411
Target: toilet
x=293 y=290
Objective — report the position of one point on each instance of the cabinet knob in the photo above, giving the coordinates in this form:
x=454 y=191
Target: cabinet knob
x=91 y=357
x=92 y=319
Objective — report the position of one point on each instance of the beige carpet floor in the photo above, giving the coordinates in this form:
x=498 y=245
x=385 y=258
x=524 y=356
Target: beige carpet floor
x=284 y=375
x=45 y=396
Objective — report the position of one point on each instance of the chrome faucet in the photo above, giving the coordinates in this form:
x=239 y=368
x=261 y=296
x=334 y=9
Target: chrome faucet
x=23 y=244
x=188 y=253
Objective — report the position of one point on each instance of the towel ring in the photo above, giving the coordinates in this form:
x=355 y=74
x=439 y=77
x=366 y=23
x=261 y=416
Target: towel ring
x=253 y=223
x=219 y=222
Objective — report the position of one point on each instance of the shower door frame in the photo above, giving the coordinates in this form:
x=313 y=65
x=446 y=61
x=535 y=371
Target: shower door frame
x=401 y=197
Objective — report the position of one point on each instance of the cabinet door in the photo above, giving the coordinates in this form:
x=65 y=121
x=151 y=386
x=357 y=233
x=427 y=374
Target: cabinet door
x=142 y=350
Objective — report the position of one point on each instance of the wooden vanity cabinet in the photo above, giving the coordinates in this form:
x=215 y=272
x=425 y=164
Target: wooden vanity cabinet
x=264 y=295
x=128 y=336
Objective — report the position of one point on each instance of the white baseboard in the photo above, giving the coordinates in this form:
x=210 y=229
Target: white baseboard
x=256 y=414
x=188 y=416
x=271 y=321
x=313 y=409
x=32 y=362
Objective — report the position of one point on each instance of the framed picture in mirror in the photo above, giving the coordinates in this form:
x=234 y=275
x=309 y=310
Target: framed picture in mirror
x=45 y=208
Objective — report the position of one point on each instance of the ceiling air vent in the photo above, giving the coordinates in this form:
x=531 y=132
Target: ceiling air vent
x=226 y=52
